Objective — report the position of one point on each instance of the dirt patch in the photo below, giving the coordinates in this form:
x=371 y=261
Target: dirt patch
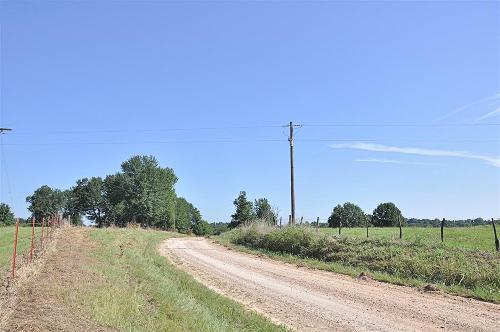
x=39 y=299
x=313 y=300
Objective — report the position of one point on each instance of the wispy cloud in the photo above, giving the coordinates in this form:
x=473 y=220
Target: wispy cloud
x=491 y=160
x=494 y=98
x=392 y=161
x=489 y=115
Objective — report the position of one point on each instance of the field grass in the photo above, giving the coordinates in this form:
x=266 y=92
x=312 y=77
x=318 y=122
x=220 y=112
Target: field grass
x=6 y=244
x=414 y=262
x=136 y=289
x=476 y=237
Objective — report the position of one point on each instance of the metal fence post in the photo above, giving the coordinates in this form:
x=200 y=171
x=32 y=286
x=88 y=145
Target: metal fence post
x=32 y=237
x=14 y=253
x=497 y=244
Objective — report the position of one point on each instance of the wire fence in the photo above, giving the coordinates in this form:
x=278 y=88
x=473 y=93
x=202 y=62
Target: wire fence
x=23 y=243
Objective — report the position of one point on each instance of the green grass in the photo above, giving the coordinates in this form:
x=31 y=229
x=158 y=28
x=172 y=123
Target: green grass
x=136 y=289
x=476 y=237
x=7 y=245
x=466 y=272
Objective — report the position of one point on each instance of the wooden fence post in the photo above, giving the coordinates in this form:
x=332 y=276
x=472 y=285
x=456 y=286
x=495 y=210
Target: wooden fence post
x=14 y=252
x=340 y=225
x=442 y=230
x=317 y=224
x=32 y=237
x=497 y=244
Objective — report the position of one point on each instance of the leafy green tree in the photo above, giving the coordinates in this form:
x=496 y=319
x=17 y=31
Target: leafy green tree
x=386 y=215
x=143 y=192
x=244 y=210
x=70 y=209
x=87 y=197
x=203 y=228
x=45 y=202
x=6 y=215
x=264 y=211
x=186 y=215
x=349 y=215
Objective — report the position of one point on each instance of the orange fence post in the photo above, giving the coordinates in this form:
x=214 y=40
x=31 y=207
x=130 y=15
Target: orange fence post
x=14 y=253
x=32 y=237
x=41 y=240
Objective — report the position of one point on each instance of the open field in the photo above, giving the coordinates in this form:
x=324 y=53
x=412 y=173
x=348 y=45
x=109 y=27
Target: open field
x=476 y=237
x=6 y=243
x=313 y=300
x=114 y=279
x=467 y=272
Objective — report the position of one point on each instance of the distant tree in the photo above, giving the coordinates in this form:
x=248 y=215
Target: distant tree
x=220 y=227
x=264 y=211
x=202 y=228
x=186 y=215
x=349 y=214
x=69 y=209
x=6 y=215
x=244 y=210
x=45 y=202
x=87 y=197
x=387 y=214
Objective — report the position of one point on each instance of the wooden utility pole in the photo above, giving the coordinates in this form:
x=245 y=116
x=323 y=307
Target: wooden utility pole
x=292 y=182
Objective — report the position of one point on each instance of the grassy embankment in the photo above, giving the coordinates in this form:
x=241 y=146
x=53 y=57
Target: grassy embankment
x=415 y=261
x=6 y=244
x=136 y=289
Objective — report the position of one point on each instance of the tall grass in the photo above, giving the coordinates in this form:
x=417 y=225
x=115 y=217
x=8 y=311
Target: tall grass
x=139 y=290
x=464 y=271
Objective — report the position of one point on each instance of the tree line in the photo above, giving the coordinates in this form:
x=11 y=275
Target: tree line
x=142 y=192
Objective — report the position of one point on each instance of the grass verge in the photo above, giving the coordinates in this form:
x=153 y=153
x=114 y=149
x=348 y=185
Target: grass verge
x=465 y=272
x=136 y=289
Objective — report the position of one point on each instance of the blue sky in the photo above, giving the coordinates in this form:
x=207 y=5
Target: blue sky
x=395 y=99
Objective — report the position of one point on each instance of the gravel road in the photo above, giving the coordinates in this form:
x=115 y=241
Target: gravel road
x=310 y=300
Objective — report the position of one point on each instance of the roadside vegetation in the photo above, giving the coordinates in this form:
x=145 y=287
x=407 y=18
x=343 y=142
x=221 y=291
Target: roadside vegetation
x=133 y=288
x=415 y=262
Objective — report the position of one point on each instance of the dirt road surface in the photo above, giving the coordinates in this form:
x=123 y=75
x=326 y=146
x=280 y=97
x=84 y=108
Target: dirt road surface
x=312 y=300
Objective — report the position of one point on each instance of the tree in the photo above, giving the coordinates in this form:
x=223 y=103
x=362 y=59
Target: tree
x=264 y=211
x=69 y=209
x=386 y=215
x=6 y=215
x=349 y=215
x=203 y=228
x=186 y=215
x=45 y=202
x=244 y=210
x=87 y=197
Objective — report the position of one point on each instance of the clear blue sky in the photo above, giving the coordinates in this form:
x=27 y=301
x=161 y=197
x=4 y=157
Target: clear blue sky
x=85 y=85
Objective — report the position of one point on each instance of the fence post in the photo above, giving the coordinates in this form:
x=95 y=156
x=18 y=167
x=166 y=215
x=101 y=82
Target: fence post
x=400 y=229
x=340 y=225
x=317 y=224
x=41 y=239
x=281 y=218
x=32 y=237
x=497 y=244
x=442 y=230
x=366 y=223
x=289 y=219
x=14 y=253
x=301 y=220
